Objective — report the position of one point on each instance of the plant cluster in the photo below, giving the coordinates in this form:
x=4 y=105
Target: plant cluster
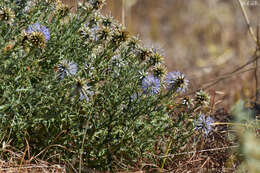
x=78 y=87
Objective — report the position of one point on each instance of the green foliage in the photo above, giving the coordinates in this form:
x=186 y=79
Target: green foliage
x=65 y=77
x=249 y=142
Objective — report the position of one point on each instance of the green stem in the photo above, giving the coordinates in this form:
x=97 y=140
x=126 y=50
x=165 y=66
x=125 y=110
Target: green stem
x=166 y=153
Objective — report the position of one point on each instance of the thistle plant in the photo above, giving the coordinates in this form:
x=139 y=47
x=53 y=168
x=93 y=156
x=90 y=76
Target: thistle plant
x=81 y=86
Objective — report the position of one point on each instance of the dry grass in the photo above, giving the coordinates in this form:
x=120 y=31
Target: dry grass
x=13 y=161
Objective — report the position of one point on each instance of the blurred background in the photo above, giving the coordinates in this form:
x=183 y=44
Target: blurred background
x=204 y=39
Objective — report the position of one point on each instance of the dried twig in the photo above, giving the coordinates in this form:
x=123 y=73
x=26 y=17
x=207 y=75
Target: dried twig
x=247 y=21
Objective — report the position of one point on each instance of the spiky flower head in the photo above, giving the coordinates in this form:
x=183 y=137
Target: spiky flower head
x=83 y=90
x=61 y=9
x=6 y=14
x=93 y=20
x=36 y=27
x=133 y=43
x=155 y=58
x=204 y=123
x=120 y=35
x=187 y=102
x=202 y=98
x=37 y=39
x=66 y=68
x=53 y=1
x=177 y=81
x=103 y=33
x=151 y=85
x=97 y=4
x=144 y=53
x=90 y=32
x=159 y=71
x=107 y=21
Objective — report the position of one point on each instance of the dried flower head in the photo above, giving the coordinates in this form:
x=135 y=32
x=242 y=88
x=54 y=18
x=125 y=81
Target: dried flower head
x=177 y=81
x=37 y=39
x=187 y=102
x=204 y=123
x=144 y=53
x=151 y=85
x=202 y=98
x=66 y=68
x=107 y=21
x=133 y=43
x=121 y=35
x=103 y=33
x=6 y=14
x=53 y=1
x=159 y=71
x=90 y=34
x=61 y=9
x=97 y=4
x=155 y=58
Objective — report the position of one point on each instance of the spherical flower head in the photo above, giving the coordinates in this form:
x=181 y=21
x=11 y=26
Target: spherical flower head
x=187 y=102
x=39 y=28
x=6 y=14
x=151 y=84
x=61 y=9
x=159 y=71
x=37 y=39
x=66 y=69
x=83 y=90
x=133 y=43
x=90 y=34
x=176 y=80
x=202 y=98
x=97 y=4
x=107 y=21
x=204 y=123
x=120 y=35
x=144 y=53
x=103 y=33
x=155 y=58
x=53 y=1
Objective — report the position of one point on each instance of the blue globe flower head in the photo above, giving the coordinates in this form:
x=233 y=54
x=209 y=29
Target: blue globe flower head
x=178 y=81
x=204 y=123
x=66 y=69
x=84 y=90
x=39 y=28
x=151 y=84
